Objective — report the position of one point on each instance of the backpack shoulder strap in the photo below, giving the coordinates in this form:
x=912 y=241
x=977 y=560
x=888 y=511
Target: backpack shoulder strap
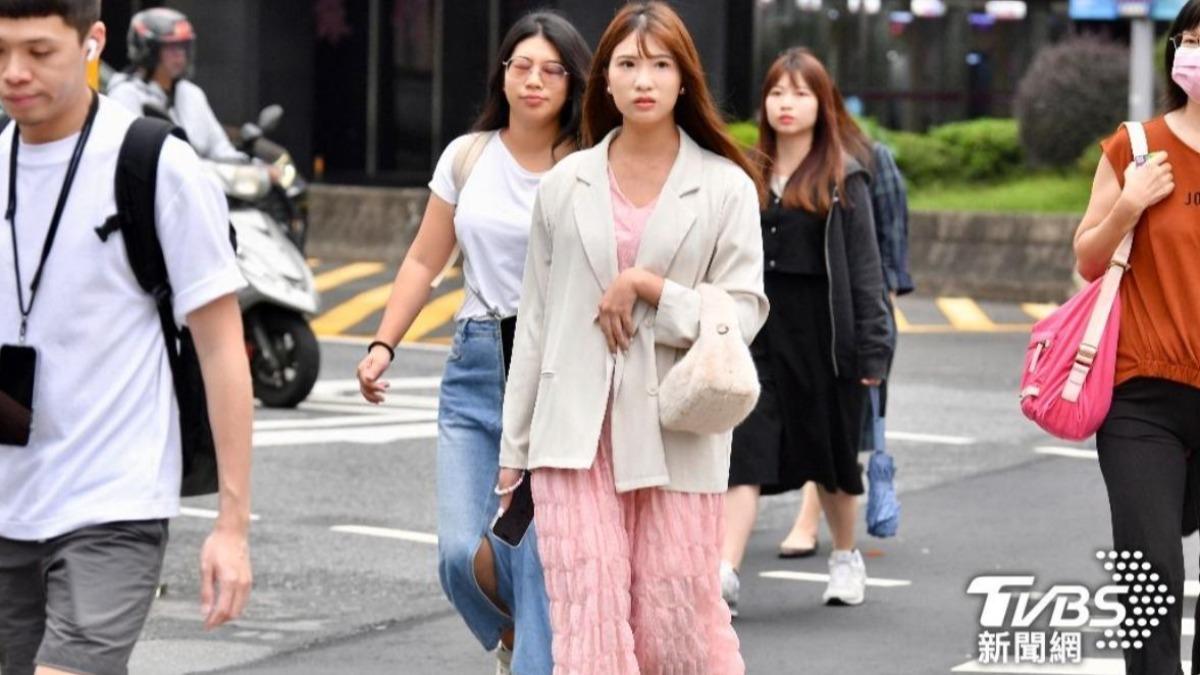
x=136 y=192
x=467 y=156
x=464 y=162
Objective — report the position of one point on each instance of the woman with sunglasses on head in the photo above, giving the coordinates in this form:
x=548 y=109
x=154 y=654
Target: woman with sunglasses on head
x=1149 y=444
x=629 y=513
x=483 y=189
x=827 y=338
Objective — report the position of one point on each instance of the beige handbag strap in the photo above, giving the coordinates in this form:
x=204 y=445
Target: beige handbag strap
x=464 y=162
x=1109 y=288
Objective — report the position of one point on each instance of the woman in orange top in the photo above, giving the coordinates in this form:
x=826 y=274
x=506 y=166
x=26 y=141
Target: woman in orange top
x=1148 y=444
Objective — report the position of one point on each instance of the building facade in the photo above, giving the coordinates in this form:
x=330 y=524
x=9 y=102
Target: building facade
x=374 y=89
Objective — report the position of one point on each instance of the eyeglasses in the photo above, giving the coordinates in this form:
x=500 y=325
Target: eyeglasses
x=520 y=67
x=1186 y=41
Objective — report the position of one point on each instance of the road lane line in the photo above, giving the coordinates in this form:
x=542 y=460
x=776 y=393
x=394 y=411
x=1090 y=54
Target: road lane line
x=437 y=313
x=391 y=401
x=207 y=514
x=362 y=409
x=1073 y=453
x=936 y=439
x=352 y=312
x=349 y=386
x=1038 y=310
x=345 y=274
x=387 y=533
x=362 y=435
x=943 y=329
x=344 y=421
x=965 y=314
x=824 y=578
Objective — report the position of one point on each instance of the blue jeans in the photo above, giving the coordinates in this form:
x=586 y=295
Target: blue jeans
x=468 y=463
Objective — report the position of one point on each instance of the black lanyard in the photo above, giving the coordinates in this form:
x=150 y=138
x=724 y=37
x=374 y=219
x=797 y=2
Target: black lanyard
x=11 y=214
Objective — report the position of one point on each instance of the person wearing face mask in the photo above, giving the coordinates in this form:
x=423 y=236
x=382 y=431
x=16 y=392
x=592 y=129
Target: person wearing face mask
x=629 y=513
x=530 y=122
x=160 y=43
x=1149 y=444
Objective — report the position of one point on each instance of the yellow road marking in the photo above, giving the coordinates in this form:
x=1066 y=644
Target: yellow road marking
x=902 y=323
x=938 y=329
x=965 y=314
x=437 y=313
x=339 y=319
x=1038 y=310
x=347 y=273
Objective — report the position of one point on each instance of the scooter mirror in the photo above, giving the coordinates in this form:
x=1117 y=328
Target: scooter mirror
x=250 y=134
x=269 y=118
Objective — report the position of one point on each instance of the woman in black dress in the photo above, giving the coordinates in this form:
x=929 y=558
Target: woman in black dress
x=826 y=339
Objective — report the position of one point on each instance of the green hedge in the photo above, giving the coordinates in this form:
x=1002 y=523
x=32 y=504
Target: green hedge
x=745 y=133
x=972 y=151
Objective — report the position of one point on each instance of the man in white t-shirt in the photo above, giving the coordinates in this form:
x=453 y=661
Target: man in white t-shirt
x=84 y=502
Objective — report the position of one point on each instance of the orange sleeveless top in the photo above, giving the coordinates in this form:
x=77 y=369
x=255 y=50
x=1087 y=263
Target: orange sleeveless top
x=1160 y=295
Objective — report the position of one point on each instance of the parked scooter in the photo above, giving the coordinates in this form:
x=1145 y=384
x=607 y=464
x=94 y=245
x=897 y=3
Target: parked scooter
x=285 y=357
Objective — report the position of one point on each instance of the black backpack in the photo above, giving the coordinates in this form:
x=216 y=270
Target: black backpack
x=136 y=184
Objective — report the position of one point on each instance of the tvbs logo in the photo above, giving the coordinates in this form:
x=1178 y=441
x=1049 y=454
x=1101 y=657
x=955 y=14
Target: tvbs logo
x=1126 y=611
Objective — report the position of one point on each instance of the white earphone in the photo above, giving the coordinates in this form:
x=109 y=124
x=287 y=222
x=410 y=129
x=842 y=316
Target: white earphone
x=93 y=49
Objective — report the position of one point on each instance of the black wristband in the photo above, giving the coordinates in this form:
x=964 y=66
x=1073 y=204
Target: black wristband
x=380 y=343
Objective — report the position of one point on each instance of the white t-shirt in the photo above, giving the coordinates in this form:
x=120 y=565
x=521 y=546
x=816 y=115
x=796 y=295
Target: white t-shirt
x=191 y=111
x=492 y=217
x=105 y=444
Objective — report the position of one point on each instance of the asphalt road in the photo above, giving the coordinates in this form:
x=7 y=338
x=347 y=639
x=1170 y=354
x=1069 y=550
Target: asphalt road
x=345 y=566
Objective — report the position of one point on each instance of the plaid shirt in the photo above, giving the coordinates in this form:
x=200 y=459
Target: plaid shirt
x=889 y=201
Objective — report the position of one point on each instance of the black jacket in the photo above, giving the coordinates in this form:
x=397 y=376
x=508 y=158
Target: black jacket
x=857 y=306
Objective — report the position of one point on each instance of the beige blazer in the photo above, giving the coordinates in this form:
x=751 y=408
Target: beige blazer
x=704 y=229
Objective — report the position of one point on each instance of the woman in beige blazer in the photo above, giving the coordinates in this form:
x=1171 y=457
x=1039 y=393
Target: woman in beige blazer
x=629 y=514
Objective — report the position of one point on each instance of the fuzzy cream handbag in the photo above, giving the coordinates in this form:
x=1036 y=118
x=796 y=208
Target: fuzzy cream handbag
x=714 y=386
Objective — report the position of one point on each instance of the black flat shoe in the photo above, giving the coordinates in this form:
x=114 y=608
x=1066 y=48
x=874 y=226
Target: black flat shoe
x=789 y=553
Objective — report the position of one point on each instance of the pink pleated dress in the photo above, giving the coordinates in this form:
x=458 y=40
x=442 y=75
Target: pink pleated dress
x=633 y=578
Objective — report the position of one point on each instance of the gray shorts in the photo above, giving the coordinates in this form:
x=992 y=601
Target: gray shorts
x=78 y=602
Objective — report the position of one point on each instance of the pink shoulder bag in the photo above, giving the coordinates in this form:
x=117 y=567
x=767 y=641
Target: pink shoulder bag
x=1071 y=362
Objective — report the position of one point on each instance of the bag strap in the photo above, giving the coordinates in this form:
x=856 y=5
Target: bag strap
x=136 y=188
x=464 y=163
x=1109 y=287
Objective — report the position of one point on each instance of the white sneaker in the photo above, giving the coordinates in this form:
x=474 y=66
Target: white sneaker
x=503 y=660
x=847 y=579
x=730 y=587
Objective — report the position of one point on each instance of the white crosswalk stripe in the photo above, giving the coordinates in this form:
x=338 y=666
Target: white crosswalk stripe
x=335 y=412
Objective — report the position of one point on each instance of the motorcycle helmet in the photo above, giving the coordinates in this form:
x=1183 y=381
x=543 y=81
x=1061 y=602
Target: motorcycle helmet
x=150 y=29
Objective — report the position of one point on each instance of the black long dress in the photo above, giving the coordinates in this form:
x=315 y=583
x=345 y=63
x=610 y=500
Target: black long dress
x=808 y=422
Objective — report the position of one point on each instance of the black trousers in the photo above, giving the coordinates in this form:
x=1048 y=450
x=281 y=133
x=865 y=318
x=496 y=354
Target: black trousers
x=1149 y=447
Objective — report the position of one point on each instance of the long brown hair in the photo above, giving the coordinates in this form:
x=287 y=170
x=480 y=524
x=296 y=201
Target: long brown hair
x=811 y=186
x=695 y=110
